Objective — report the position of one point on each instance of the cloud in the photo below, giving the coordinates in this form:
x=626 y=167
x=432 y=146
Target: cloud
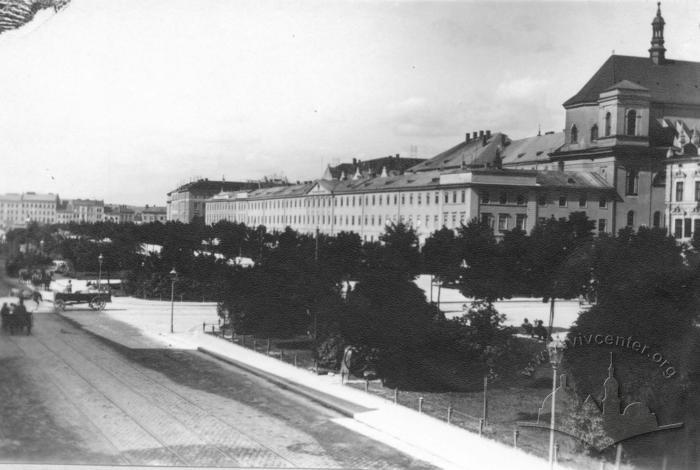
x=420 y=117
x=521 y=89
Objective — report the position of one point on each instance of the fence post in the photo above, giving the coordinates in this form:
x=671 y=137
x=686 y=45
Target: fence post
x=255 y=344
x=212 y=330
x=366 y=385
x=516 y=433
x=204 y=327
x=268 y=346
x=556 y=453
x=420 y=404
x=295 y=359
x=342 y=377
x=449 y=414
x=481 y=426
x=484 y=413
x=281 y=355
x=396 y=396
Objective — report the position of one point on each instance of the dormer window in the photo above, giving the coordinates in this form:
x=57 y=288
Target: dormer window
x=574 y=134
x=608 y=123
x=594 y=132
x=631 y=122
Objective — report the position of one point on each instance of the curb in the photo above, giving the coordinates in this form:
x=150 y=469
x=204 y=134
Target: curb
x=338 y=405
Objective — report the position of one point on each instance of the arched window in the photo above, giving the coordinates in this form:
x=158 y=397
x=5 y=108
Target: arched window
x=630 y=218
x=657 y=219
x=594 y=132
x=608 y=123
x=574 y=134
x=632 y=122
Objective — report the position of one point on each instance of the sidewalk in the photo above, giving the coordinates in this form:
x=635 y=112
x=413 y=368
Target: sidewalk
x=415 y=434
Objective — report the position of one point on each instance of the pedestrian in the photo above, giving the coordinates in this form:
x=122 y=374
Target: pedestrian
x=4 y=312
x=36 y=297
x=527 y=327
x=69 y=287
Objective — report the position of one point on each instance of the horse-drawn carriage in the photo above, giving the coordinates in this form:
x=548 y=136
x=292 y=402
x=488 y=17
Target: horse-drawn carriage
x=96 y=300
x=17 y=319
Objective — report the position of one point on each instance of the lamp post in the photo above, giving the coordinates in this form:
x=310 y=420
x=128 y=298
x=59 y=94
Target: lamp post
x=99 y=272
x=173 y=278
x=556 y=352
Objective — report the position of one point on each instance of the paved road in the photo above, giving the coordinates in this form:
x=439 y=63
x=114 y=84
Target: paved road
x=67 y=396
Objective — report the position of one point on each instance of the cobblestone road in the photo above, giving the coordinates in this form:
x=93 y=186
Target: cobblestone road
x=69 y=397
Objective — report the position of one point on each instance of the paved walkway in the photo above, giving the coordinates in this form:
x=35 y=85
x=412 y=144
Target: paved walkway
x=418 y=435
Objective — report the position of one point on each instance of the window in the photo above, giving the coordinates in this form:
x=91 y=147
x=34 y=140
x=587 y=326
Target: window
x=484 y=197
x=503 y=198
x=420 y=198
x=454 y=219
x=560 y=166
x=630 y=218
x=678 y=228
x=632 y=182
x=632 y=122
x=582 y=202
x=697 y=191
x=542 y=200
x=696 y=225
x=427 y=199
x=464 y=197
x=601 y=225
x=520 y=221
x=594 y=132
x=688 y=229
x=603 y=202
x=608 y=123
x=562 y=201
x=437 y=197
x=657 y=219
x=520 y=200
x=447 y=197
x=410 y=198
x=574 y=134
x=503 y=222
x=487 y=219
x=679 y=190
x=373 y=200
x=454 y=196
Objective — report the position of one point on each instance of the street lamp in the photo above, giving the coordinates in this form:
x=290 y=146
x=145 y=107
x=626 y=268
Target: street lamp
x=556 y=352
x=99 y=273
x=173 y=278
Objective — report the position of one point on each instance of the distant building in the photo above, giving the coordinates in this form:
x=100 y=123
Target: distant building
x=80 y=210
x=118 y=213
x=188 y=201
x=150 y=214
x=17 y=210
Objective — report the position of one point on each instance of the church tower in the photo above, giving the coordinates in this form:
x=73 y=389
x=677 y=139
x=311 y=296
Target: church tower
x=657 y=52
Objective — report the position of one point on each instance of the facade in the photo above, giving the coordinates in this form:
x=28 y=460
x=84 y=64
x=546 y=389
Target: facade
x=427 y=201
x=17 y=210
x=188 y=201
x=80 y=210
x=617 y=126
x=683 y=180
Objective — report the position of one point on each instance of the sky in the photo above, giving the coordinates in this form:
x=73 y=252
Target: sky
x=125 y=100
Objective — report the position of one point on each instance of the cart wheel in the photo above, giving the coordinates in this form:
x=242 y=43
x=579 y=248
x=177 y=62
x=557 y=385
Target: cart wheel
x=97 y=303
x=59 y=306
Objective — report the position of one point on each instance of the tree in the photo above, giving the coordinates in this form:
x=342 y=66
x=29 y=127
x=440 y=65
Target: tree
x=441 y=257
x=483 y=276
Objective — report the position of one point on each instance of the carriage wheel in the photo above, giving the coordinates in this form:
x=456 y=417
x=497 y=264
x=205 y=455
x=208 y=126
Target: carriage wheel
x=97 y=303
x=59 y=306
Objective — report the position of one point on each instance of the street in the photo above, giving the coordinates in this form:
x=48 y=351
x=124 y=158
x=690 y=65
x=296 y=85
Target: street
x=67 y=396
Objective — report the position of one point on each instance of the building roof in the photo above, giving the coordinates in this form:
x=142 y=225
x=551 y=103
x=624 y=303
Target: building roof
x=473 y=153
x=211 y=186
x=673 y=81
x=572 y=180
x=374 y=167
x=534 y=149
x=31 y=196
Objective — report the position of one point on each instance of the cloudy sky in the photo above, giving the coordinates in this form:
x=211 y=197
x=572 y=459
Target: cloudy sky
x=122 y=100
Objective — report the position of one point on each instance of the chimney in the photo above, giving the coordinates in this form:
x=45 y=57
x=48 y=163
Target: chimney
x=488 y=134
x=354 y=161
x=397 y=156
x=474 y=135
x=467 y=140
x=481 y=133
